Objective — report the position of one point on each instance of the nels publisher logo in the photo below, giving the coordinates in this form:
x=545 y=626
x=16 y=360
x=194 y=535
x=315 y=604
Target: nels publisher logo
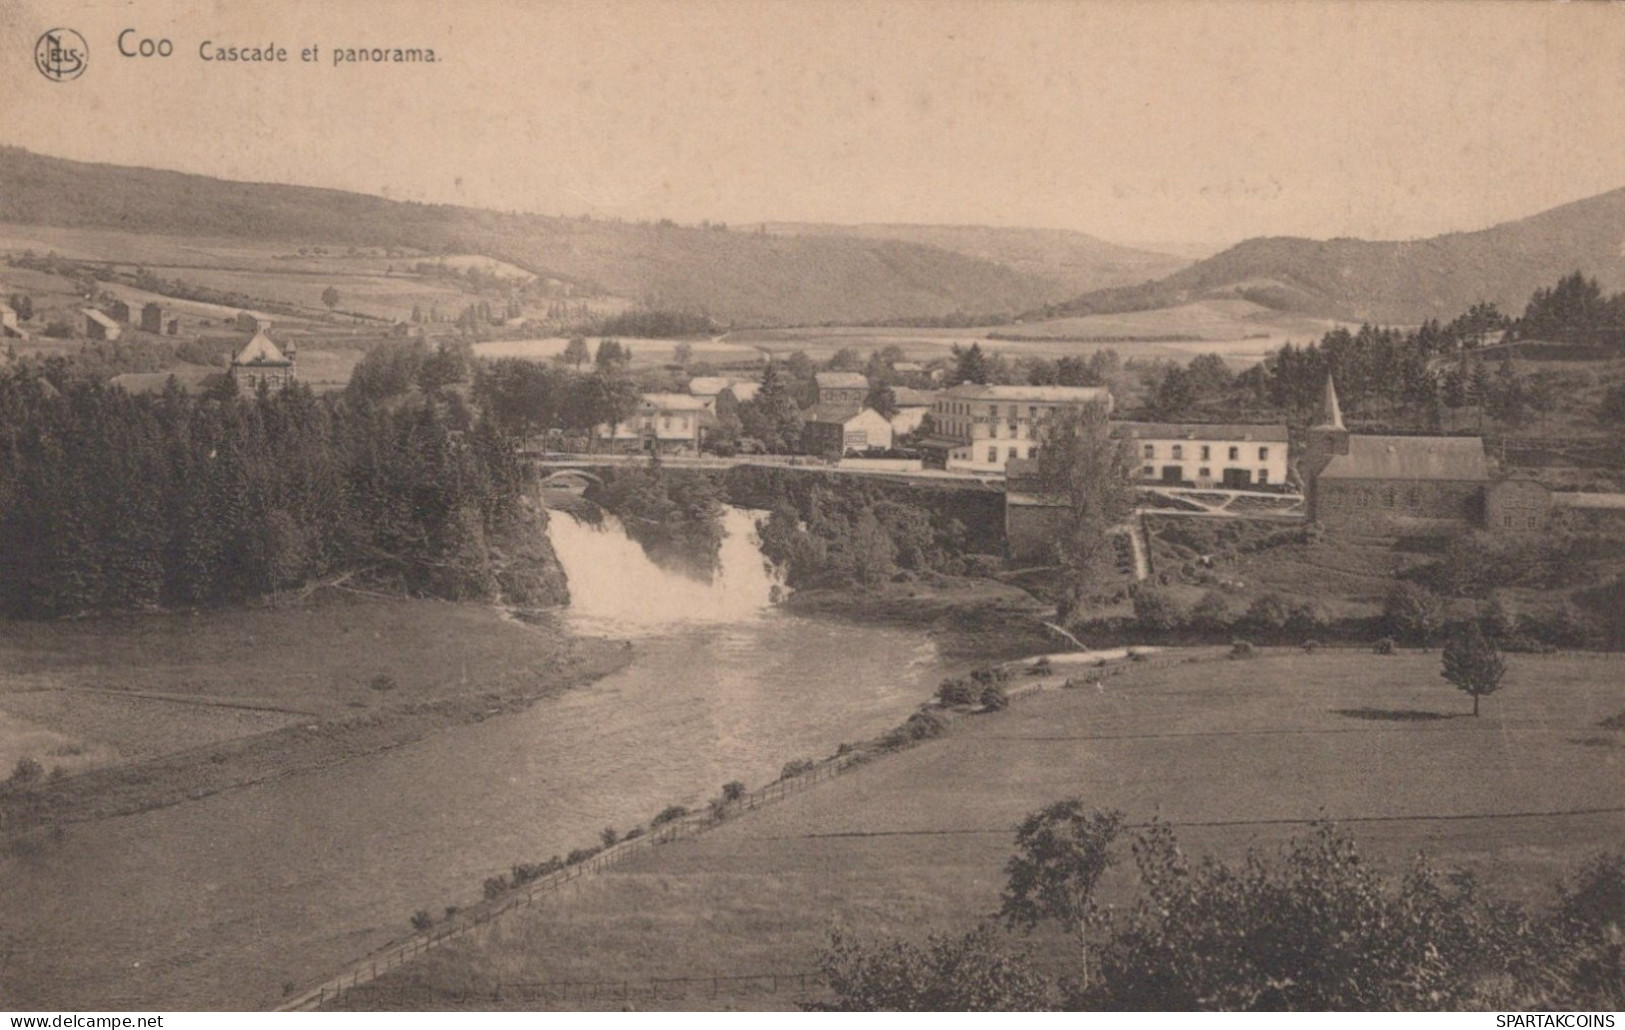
x=60 y=55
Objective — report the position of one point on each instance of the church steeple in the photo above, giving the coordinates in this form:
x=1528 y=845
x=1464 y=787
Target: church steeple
x=1331 y=413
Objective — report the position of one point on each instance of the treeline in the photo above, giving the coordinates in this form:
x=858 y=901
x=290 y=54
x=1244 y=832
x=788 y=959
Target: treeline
x=652 y=323
x=110 y=501
x=1315 y=928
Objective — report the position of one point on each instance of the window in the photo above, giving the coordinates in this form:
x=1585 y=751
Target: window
x=1263 y=475
x=1506 y=520
x=1179 y=450
x=665 y=423
x=1032 y=413
x=1263 y=454
x=1206 y=454
x=1148 y=472
x=1012 y=411
x=1013 y=453
x=993 y=409
x=993 y=430
x=1205 y=473
x=1235 y=452
x=1032 y=452
x=1413 y=499
x=993 y=455
x=1388 y=497
x=1150 y=450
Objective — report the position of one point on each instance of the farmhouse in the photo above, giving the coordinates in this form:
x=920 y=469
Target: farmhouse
x=1391 y=485
x=847 y=389
x=118 y=311
x=1237 y=457
x=262 y=362
x=836 y=429
x=99 y=327
x=152 y=318
x=979 y=428
x=664 y=423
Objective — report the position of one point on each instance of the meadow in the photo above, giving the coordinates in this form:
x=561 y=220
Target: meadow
x=1235 y=754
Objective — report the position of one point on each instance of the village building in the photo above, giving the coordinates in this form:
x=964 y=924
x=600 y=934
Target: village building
x=152 y=318
x=118 y=311
x=252 y=322
x=912 y=407
x=262 y=362
x=979 y=428
x=99 y=327
x=835 y=429
x=1517 y=504
x=1236 y=457
x=1391 y=485
x=842 y=389
x=663 y=423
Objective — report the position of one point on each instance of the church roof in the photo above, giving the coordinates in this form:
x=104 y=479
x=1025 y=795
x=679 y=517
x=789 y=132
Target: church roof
x=261 y=351
x=1412 y=458
x=1331 y=412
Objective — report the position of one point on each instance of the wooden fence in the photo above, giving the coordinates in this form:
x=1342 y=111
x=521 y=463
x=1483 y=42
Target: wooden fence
x=524 y=896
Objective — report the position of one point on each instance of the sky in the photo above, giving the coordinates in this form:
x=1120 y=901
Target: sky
x=1134 y=121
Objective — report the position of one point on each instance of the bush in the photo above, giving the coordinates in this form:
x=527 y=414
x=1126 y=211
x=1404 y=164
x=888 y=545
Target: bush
x=1385 y=646
x=1241 y=649
x=1157 y=610
x=956 y=691
x=717 y=809
x=995 y=698
x=422 y=920
x=733 y=791
x=671 y=813
x=608 y=836
x=795 y=768
x=26 y=772
x=1268 y=614
x=1212 y=612
x=495 y=885
x=919 y=726
x=582 y=854
x=1411 y=612
x=382 y=681
x=1311 y=646
x=986 y=674
x=1042 y=667
x=634 y=833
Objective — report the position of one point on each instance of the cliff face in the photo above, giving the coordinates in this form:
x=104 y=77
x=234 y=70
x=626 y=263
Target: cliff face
x=525 y=571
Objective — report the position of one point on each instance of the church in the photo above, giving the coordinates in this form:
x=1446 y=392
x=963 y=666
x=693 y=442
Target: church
x=1391 y=485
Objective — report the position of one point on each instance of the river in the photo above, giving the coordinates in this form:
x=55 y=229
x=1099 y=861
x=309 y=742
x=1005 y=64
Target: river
x=220 y=902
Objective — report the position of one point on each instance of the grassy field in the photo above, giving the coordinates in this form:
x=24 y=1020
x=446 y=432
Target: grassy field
x=1235 y=754
x=77 y=694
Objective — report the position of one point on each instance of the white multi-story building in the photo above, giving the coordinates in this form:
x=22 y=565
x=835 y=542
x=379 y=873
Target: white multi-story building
x=979 y=428
x=670 y=423
x=1237 y=457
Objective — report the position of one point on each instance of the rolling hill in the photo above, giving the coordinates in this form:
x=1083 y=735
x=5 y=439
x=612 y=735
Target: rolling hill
x=1394 y=281
x=1069 y=259
x=735 y=276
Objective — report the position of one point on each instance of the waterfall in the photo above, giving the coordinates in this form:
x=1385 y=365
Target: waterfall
x=613 y=581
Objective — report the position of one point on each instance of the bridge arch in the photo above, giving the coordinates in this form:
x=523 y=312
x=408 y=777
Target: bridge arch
x=562 y=474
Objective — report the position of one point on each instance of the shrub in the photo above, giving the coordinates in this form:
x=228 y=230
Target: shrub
x=495 y=885
x=995 y=698
x=1157 y=610
x=1268 y=614
x=634 y=833
x=985 y=674
x=1411 y=612
x=734 y=790
x=1042 y=667
x=795 y=768
x=452 y=910
x=1212 y=612
x=578 y=855
x=608 y=836
x=1384 y=646
x=920 y=726
x=671 y=813
x=1311 y=646
x=422 y=920
x=717 y=809
x=1306 y=617
x=382 y=681
x=956 y=691
x=1241 y=649
x=26 y=772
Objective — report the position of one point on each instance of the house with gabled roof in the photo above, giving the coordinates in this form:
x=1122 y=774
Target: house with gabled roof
x=262 y=361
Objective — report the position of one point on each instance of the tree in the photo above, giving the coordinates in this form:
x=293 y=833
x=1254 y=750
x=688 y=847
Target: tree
x=970 y=365
x=1473 y=663
x=683 y=353
x=773 y=416
x=1081 y=467
x=575 y=352
x=1061 y=854
x=1410 y=611
x=883 y=399
x=330 y=297
x=611 y=354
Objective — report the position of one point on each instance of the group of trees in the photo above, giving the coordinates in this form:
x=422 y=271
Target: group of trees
x=110 y=501
x=1315 y=928
x=855 y=534
x=676 y=517
x=526 y=399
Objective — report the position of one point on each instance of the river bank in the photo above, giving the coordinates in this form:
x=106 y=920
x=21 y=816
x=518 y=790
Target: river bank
x=970 y=619
x=125 y=715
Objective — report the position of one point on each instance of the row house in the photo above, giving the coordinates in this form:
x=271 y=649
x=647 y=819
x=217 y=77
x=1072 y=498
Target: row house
x=978 y=428
x=1237 y=457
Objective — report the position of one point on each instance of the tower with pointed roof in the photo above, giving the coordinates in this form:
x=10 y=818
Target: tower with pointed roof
x=1325 y=440
x=262 y=361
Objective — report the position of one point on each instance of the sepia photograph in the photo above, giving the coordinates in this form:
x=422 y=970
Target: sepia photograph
x=803 y=507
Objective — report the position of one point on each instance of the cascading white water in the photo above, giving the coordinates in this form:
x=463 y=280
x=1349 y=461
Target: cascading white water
x=612 y=580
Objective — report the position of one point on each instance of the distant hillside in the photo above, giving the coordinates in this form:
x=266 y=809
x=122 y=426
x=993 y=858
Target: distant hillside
x=1396 y=282
x=735 y=276
x=1073 y=260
